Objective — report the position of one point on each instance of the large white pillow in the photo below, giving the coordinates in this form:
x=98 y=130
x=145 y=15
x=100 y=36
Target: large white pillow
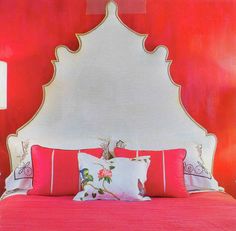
x=115 y=179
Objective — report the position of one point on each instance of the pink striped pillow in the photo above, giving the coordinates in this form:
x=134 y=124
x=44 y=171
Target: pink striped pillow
x=165 y=176
x=56 y=171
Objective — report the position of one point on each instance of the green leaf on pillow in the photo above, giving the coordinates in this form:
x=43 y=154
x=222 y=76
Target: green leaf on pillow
x=112 y=167
x=107 y=179
x=89 y=178
x=86 y=194
x=100 y=191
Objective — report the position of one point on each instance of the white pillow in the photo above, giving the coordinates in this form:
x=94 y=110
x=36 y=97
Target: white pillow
x=115 y=179
x=21 y=177
x=196 y=174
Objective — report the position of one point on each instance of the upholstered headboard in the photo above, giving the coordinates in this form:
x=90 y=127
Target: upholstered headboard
x=112 y=88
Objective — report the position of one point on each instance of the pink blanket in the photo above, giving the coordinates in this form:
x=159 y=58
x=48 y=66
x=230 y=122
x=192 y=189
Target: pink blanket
x=201 y=211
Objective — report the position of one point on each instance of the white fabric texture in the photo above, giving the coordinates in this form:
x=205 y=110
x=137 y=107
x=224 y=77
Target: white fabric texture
x=115 y=179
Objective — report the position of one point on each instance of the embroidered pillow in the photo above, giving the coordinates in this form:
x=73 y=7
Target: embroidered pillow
x=21 y=176
x=165 y=177
x=115 y=179
x=197 y=176
x=56 y=171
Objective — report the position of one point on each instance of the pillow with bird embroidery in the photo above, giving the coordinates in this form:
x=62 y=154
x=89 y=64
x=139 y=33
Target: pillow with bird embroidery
x=116 y=179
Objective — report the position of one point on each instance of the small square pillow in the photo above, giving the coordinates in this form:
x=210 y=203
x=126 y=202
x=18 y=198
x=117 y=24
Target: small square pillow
x=55 y=171
x=115 y=179
x=165 y=174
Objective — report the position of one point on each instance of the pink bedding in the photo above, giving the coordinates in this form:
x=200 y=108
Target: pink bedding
x=202 y=211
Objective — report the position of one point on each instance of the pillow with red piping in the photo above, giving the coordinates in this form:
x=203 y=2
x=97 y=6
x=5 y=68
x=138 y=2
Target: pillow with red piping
x=55 y=171
x=165 y=177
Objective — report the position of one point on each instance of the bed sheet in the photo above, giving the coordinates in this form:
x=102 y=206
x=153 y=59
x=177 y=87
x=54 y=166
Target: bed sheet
x=201 y=211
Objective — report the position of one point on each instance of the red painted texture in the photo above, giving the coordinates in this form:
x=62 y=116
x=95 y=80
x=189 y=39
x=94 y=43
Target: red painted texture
x=200 y=36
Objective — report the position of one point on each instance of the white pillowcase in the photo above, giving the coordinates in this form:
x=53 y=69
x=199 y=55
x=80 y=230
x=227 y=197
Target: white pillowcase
x=115 y=179
x=21 y=177
x=196 y=175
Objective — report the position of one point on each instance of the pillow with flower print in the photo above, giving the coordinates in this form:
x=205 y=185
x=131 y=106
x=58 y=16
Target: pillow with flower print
x=116 y=179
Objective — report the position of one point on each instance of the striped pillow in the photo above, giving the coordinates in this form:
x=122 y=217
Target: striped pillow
x=165 y=176
x=55 y=171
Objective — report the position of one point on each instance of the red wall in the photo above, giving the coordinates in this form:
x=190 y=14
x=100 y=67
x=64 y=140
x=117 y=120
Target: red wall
x=200 y=36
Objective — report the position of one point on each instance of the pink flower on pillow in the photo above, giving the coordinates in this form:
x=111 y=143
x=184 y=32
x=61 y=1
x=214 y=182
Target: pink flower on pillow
x=104 y=173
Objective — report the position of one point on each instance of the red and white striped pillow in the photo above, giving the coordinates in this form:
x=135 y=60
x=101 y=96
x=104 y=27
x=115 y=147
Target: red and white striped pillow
x=165 y=177
x=55 y=171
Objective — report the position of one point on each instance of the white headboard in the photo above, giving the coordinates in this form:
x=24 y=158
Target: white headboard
x=112 y=87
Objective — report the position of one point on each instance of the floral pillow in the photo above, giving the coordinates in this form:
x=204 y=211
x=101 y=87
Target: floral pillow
x=115 y=179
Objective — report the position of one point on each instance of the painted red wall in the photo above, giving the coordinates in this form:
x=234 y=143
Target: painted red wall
x=200 y=36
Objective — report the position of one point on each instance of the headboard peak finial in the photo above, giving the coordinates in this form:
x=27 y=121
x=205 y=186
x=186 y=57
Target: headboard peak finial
x=112 y=7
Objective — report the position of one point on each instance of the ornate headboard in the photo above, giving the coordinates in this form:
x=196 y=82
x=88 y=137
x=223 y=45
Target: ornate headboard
x=112 y=87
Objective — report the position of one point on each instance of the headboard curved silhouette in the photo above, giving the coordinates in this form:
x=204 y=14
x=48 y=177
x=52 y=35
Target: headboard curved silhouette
x=112 y=87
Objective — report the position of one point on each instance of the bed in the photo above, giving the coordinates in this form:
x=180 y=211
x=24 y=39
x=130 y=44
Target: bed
x=114 y=96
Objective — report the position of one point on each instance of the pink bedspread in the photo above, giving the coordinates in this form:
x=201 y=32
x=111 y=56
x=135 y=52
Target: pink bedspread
x=202 y=211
